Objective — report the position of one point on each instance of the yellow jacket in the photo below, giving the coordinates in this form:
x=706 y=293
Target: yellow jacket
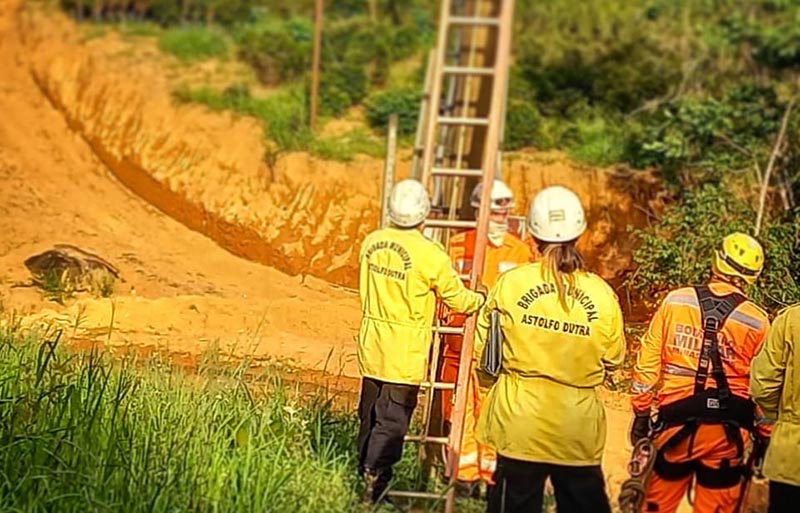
x=401 y=273
x=775 y=387
x=543 y=407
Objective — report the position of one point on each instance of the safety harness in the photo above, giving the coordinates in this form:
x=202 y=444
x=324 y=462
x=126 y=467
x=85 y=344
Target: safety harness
x=708 y=406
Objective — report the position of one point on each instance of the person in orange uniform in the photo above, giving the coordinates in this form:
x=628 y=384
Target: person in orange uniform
x=504 y=251
x=700 y=344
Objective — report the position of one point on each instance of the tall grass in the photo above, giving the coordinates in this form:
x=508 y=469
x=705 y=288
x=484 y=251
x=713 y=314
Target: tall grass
x=80 y=432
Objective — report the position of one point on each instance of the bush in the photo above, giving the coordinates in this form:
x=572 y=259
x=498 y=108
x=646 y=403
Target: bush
x=522 y=125
x=403 y=102
x=342 y=85
x=278 y=50
x=194 y=44
x=677 y=250
x=706 y=133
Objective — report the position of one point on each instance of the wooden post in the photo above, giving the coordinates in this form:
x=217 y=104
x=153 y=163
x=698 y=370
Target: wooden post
x=388 y=169
x=312 y=122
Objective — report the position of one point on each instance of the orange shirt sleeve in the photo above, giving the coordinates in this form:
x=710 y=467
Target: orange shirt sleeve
x=647 y=369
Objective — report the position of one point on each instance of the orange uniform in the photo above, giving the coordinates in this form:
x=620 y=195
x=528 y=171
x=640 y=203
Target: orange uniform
x=476 y=461
x=670 y=354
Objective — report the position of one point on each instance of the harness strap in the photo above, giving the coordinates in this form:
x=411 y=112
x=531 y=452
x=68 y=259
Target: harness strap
x=714 y=311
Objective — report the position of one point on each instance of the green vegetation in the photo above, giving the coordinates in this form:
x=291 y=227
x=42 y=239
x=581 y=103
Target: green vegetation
x=80 y=432
x=86 y=430
x=194 y=44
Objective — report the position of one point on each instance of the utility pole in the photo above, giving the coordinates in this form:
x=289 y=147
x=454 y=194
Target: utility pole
x=312 y=122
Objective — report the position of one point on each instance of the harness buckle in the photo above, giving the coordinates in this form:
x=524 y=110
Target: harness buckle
x=712 y=403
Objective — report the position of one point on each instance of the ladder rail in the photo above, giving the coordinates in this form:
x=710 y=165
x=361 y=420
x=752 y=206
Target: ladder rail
x=461 y=142
x=491 y=147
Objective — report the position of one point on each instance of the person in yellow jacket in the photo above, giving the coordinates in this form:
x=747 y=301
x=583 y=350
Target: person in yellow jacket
x=401 y=275
x=562 y=332
x=775 y=388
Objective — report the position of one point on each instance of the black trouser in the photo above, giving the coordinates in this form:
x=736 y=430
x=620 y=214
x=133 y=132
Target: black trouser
x=783 y=498
x=385 y=411
x=519 y=488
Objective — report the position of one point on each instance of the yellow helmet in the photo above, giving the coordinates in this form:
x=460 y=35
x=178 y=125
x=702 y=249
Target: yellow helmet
x=740 y=255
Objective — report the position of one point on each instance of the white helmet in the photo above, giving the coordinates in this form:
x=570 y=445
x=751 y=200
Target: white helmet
x=556 y=215
x=502 y=197
x=408 y=203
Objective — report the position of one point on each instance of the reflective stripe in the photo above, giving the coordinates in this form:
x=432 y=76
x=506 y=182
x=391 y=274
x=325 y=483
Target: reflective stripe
x=747 y=320
x=639 y=387
x=683 y=299
x=764 y=421
x=677 y=370
x=469 y=458
x=488 y=465
x=464 y=265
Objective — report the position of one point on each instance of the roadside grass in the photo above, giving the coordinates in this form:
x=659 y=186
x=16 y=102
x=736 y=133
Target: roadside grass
x=192 y=44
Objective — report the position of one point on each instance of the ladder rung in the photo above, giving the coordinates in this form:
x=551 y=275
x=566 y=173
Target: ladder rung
x=438 y=385
x=467 y=70
x=448 y=171
x=416 y=495
x=465 y=277
x=446 y=223
x=474 y=20
x=448 y=120
x=431 y=439
x=449 y=330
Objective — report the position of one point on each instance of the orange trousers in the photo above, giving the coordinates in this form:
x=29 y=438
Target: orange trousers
x=477 y=462
x=710 y=451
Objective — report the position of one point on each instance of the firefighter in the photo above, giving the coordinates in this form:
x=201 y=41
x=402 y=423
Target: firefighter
x=703 y=425
x=775 y=387
x=504 y=251
x=401 y=275
x=562 y=332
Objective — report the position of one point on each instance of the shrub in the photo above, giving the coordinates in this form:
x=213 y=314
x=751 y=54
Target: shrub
x=194 y=44
x=403 y=102
x=278 y=50
x=677 y=250
x=522 y=125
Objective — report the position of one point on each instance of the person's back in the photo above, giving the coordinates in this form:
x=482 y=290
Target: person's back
x=671 y=348
x=560 y=331
x=775 y=387
x=698 y=348
x=552 y=361
x=401 y=274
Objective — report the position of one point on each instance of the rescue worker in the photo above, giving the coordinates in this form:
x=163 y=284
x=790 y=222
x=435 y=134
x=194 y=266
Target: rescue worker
x=704 y=425
x=775 y=387
x=562 y=331
x=401 y=275
x=504 y=251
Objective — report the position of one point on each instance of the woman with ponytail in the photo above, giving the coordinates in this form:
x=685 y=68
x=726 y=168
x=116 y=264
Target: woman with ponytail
x=562 y=332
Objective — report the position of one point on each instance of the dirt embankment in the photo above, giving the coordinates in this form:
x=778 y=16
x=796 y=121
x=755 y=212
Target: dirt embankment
x=305 y=216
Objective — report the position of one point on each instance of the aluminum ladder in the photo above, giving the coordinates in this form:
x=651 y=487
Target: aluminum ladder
x=457 y=144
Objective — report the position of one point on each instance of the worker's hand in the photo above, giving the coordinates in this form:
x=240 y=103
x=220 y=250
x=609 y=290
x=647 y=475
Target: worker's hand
x=640 y=427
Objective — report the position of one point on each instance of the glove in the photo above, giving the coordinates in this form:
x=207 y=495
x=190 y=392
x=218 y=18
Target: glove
x=640 y=427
